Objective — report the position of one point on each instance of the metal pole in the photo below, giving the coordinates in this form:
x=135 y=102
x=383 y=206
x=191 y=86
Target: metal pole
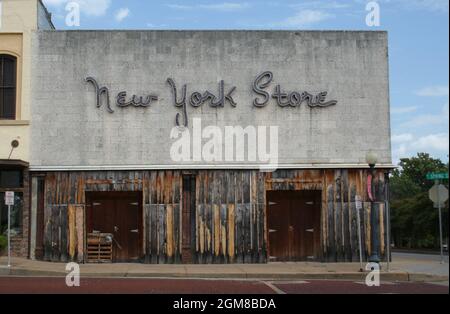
x=9 y=236
x=374 y=258
x=440 y=223
x=388 y=224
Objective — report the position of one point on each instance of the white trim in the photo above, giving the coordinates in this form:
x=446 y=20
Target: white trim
x=207 y=167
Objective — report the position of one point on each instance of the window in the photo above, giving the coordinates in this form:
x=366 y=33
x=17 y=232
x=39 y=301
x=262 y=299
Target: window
x=11 y=179
x=16 y=214
x=8 y=78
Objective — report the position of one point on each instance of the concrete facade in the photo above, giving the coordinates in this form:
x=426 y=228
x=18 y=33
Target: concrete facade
x=70 y=133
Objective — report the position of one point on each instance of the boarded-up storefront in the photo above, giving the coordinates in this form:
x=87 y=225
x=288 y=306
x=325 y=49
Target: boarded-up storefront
x=154 y=142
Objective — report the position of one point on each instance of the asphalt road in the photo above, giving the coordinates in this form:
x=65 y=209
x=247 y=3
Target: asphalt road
x=39 y=285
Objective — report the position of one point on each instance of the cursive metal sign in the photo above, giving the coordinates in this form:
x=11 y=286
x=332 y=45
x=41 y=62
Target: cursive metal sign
x=197 y=99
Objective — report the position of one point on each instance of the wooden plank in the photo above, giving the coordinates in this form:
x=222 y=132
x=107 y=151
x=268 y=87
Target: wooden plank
x=331 y=251
x=72 y=232
x=162 y=249
x=169 y=234
x=247 y=234
x=154 y=232
x=201 y=232
x=177 y=232
x=338 y=216
x=216 y=212
x=48 y=233
x=55 y=240
x=346 y=217
x=382 y=229
x=147 y=230
x=79 y=225
x=223 y=232
x=231 y=232
x=367 y=229
x=354 y=225
x=239 y=246
x=63 y=217
x=262 y=234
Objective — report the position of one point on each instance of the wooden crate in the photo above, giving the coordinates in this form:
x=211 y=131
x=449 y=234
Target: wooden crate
x=99 y=248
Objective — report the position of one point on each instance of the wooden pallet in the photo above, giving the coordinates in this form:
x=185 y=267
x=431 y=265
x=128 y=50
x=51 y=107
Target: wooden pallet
x=99 y=249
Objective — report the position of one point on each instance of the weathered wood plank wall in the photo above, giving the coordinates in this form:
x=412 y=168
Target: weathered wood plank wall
x=230 y=219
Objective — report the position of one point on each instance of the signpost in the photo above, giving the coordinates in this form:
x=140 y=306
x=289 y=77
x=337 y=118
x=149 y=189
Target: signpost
x=439 y=195
x=9 y=201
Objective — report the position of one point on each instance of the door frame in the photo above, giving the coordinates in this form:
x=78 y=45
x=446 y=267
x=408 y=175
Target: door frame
x=89 y=195
x=319 y=256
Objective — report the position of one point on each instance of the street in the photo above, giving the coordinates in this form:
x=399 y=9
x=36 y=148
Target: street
x=42 y=285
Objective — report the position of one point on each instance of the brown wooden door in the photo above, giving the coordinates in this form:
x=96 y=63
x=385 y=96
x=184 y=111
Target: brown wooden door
x=278 y=214
x=294 y=225
x=118 y=213
x=126 y=229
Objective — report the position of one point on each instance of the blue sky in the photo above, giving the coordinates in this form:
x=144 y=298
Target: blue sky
x=418 y=37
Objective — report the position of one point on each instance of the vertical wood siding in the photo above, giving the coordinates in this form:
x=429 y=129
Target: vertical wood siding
x=230 y=218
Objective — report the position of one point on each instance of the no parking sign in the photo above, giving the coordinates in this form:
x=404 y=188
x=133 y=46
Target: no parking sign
x=9 y=198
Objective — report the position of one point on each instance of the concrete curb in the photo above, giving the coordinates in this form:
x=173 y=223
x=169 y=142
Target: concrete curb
x=392 y=276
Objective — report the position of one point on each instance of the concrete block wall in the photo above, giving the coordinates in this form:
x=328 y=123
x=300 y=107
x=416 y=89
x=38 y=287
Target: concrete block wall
x=68 y=130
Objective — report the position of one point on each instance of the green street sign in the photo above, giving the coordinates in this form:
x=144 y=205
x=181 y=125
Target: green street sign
x=437 y=176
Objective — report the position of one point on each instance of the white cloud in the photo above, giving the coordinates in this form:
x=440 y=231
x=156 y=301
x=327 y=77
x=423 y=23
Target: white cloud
x=412 y=141
x=432 y=142
x=333 y=5
x=88 y=7
x=431 y=5
x=440 y=6
x=224 y=7
x=122 y=14
x=151 y=25
x=304 y=18
x=402 y=138
x=433 y=91
x=54 y=3
x=180 y=7
x=428 y=119
x=407 y=145
x=402 y=110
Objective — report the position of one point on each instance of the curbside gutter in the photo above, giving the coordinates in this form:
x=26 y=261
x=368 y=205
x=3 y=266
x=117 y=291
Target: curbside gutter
x=391 y=276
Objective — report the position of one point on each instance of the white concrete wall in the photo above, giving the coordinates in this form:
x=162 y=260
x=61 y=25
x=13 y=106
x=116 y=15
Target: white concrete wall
x=68 y=130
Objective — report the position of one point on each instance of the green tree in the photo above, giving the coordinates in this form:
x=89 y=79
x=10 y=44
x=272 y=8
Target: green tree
x=414 y=219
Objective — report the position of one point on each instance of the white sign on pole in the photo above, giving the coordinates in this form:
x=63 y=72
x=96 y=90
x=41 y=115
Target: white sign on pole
x=438 y=194
x=9 y=198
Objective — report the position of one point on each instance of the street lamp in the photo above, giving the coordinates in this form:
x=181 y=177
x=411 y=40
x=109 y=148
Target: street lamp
x=372 y=159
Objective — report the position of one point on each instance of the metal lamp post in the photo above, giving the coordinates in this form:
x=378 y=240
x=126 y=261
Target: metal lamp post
x=372 y=159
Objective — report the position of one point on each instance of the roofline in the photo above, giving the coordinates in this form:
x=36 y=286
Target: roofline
x=48 y=14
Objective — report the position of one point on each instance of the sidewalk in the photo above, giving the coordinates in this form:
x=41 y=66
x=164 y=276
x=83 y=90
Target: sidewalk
x=401 y=270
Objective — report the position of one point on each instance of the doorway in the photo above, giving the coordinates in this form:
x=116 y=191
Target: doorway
x=293 y=219
x=120 y=214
